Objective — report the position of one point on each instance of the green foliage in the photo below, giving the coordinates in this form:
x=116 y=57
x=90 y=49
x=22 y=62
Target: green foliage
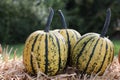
x=14 y=47
x=89 y=15
x=116 y=46
x=19 y=18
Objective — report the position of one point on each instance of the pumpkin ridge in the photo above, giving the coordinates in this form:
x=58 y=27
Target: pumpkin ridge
x=112 y=50
x=28 y=46
x=109 y=51
x=68 y=41
x=110 y=55
x=84 y=71
x=59 y=65
x=83 y=49
x=75 y=35
x=38 y=63
x=103 y=61
x=101 y=47
x=31 y=56
x=79 y=41
x=69 y=47
x=109 y=58
x=94 y=66
x=46 y=54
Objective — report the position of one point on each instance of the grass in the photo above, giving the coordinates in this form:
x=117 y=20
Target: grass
x=116 y=45
x=17 y=47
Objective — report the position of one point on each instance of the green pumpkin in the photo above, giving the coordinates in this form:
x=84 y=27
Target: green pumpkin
x=93 y=52
x=45 y=51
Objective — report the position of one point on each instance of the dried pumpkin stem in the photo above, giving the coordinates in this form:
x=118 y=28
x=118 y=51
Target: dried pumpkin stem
x=62 y=19
x=107 y=22
x=50 y=17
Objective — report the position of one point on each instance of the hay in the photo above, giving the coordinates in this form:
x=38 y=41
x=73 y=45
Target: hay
x=13 y=69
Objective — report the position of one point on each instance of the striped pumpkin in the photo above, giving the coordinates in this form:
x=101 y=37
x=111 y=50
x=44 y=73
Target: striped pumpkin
x=71 y=36
x=45 y=51
x=93 y=52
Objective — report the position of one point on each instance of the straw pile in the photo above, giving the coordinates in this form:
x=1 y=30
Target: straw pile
x=13 y=69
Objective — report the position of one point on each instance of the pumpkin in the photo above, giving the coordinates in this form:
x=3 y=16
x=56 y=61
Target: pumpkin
x=93 y=52
x=71 y=36
x=45 y=51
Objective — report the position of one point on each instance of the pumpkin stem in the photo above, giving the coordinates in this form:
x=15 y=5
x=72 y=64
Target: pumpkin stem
x=50 y=17
x=107 y=22
x=63 y=19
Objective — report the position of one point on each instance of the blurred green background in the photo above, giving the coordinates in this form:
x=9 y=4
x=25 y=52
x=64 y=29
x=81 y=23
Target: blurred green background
x=19 y=18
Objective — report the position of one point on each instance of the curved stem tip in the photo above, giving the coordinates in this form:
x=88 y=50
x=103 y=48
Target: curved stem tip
x=107 y=22
x=62 y=19
x=50 y=17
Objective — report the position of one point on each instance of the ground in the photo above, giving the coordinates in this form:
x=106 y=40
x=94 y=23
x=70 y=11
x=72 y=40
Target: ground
x=13 y=69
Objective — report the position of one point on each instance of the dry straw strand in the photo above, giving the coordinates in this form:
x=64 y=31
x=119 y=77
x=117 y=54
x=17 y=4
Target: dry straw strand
x=14 y=69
